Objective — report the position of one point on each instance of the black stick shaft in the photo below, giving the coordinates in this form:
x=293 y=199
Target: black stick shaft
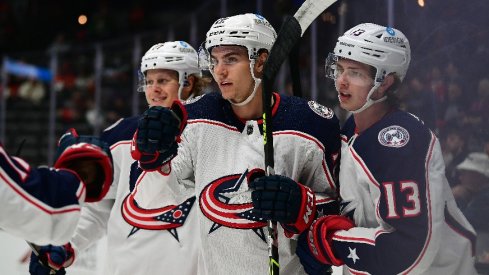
x=289 y=35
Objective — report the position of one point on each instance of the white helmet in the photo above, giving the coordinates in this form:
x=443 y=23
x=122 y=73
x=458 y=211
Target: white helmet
x=178 y=56
x=249 y=30
x=384 y=48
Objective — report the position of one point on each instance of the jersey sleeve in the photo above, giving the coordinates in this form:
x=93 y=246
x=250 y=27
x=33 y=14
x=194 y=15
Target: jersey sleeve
x=95 y=216
x=321 y=171
x=181 y=165
x=398 y=176
x=41 y=205
x=92 y=225
x=320 y=174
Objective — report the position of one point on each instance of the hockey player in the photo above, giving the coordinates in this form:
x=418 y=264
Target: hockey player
x=148 y=232
x=398 y=213
x=42 y=205
x=221 y=150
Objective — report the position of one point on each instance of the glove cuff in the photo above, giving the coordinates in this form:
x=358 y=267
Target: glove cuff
x=306 y=215
x=154 y=161
x=178 y=108
x=75 y=153
x=319 y=238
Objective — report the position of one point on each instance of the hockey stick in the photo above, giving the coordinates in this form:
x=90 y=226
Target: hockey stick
x=290 y=33
x=294 y=67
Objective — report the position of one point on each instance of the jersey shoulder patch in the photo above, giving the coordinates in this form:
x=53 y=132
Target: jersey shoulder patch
x=321 y=110
x=393 y=136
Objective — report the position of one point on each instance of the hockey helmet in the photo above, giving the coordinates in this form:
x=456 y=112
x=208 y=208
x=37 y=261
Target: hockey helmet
x=249 y=30
x=385 y=48
x=175 y=55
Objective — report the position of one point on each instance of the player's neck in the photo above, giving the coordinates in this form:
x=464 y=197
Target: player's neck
x=252 y=110
x=370 y=116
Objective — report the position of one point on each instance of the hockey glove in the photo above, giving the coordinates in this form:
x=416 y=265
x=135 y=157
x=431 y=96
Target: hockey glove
x=156 y=139
x=314 y=246
x=281 y=199
x=51 y=260
x=90 y=158
x=311 y=265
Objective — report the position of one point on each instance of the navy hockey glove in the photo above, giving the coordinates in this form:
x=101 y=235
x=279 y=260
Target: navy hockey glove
x=90 y=158
x=51 y=260
x=315 y=247
x=311 y=265
x=156 y=139
x=281 y=199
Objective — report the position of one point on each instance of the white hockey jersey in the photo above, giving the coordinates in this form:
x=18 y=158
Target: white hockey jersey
x=393 y=186
x=40 y=205
x=216 y=153
x=156 y=236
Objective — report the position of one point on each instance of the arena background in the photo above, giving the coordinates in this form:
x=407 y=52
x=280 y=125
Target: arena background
x=58 y=73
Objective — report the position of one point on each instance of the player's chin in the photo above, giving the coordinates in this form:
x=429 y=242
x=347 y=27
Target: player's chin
x=227 y=94
x=162 y=103
x=345 y=105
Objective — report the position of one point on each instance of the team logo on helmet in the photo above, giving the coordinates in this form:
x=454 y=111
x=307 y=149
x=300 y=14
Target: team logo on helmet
x=390 y=31
x=357 y=32
x=393 y=136
x=227 y=202
x=320 y=109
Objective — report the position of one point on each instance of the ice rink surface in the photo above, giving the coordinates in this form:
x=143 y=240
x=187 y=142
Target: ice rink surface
x=15 y=253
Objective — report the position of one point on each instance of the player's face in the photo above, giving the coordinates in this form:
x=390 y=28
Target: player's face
x=161 y=87
x=231 y=71
x=353 y=82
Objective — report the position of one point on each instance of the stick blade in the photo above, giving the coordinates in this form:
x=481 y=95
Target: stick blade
x=309 y=11
x=288 y=36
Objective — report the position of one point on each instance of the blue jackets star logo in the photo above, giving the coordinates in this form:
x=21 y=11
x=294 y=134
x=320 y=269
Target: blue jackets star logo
x=215 y=204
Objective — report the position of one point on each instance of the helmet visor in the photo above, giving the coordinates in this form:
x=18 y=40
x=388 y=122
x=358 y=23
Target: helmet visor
x=203 y=58
x=141 y=85
x=354 y=75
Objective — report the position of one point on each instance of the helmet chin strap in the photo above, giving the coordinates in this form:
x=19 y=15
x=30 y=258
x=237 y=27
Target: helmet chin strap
x=180 y=90
x=370 y=101
x=257 y=83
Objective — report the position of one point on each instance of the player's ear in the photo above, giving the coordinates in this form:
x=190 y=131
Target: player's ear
x=386 y=84
x=260 y=62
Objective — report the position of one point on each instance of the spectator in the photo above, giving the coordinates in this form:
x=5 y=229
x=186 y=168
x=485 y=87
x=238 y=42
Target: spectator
x=480 y=103
x=472 y=196
x=32 y=90
x=421 y=102
x=452 y=72
x=454 y=104
x=454 y=152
